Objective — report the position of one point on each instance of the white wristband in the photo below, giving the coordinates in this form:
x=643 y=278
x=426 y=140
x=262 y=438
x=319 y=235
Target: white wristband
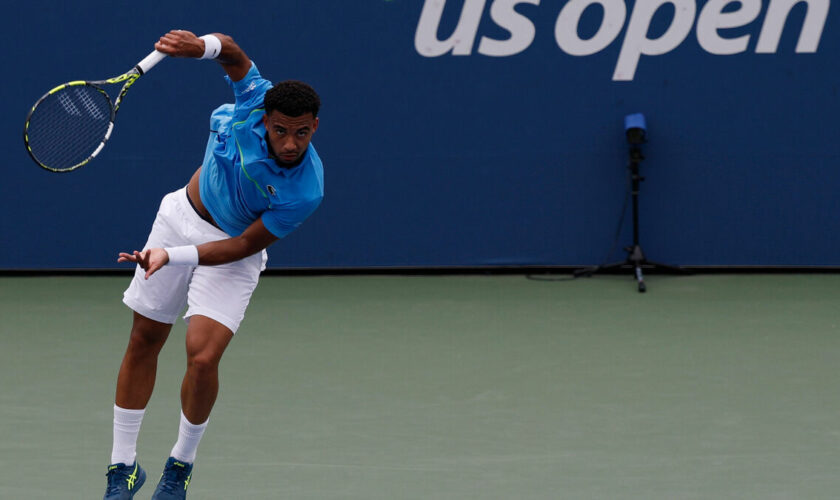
x=212 y=46
x=186 y=255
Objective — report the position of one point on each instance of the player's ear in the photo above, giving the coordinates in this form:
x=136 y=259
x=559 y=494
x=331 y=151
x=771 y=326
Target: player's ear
x=315 y=125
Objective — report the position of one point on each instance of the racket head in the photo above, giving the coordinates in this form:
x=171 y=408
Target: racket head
x=68 y=126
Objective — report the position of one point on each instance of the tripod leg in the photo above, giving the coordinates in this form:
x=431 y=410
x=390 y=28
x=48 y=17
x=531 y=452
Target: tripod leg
x=589 y=271
x=641 y=279
x=668 y=267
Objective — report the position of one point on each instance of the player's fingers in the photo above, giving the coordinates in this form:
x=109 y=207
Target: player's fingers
x=165 y=47
x=125 y=257
x=142 y=259
x=152 y=269
x=178 y=38
x=168 y=42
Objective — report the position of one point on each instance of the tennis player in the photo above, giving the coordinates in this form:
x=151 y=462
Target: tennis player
x=260 y=179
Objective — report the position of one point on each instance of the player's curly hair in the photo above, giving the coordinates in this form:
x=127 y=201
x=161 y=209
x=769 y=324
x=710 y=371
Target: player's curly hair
x=292 y=98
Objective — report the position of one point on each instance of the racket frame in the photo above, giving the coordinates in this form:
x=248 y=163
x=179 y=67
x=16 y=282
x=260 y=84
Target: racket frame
x=129 y=77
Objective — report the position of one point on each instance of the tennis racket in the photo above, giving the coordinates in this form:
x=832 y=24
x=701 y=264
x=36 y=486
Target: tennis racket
x=70 y=124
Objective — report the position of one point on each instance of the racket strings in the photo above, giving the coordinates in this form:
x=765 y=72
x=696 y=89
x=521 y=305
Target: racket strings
x=67 y=127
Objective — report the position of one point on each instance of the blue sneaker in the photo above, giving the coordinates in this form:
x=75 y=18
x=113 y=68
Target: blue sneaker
x=174 y=481
x=124 y=481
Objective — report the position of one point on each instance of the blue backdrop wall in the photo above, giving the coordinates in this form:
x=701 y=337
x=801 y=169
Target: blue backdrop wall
x=459 y=132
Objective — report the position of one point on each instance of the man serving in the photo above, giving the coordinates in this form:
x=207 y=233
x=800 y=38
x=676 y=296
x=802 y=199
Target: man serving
x=260 y=179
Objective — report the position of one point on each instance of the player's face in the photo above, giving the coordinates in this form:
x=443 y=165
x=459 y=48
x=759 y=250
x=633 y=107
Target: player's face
x=289 y=136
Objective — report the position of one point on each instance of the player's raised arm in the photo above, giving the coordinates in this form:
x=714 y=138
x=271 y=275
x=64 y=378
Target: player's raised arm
x=218 y=46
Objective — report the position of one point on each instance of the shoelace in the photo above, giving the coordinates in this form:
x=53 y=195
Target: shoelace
x=173 y=479
x=116 y=478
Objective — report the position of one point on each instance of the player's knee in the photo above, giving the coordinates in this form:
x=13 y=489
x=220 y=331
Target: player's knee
x=141 y=345
x=147 y=338
x=203 y=362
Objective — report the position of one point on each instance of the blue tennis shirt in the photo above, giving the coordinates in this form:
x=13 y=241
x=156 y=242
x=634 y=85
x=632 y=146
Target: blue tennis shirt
x=240 y=182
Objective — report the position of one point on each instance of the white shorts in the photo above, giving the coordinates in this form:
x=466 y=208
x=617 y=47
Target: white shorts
x=220 y=292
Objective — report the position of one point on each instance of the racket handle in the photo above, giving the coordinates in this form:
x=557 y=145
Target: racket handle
x=149 y=61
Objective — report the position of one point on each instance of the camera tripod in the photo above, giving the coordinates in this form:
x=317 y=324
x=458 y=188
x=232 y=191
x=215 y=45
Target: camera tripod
x=635 y=256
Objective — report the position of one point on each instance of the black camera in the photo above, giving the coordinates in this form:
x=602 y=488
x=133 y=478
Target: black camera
x=635 y=128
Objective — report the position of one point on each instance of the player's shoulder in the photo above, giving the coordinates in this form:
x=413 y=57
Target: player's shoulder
x=315 y=165
x=225 y=110
x=316 y=191
x=314 y=160
x=221 y=118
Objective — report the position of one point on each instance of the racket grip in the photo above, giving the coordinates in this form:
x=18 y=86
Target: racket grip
x=149 y=61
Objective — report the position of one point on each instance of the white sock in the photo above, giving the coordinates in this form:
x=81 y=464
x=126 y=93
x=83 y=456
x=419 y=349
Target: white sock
x=189 y=435
x=126 y=428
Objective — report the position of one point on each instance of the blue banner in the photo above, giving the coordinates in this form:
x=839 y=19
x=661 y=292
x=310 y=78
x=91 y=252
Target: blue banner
x=460 y=133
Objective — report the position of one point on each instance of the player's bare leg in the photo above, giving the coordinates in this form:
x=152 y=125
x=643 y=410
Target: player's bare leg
x=136 y=380
x=207 y=340
x=135 y=383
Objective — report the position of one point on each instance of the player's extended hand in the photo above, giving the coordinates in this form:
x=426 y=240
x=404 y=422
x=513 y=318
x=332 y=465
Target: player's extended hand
x=180 y=43
x=150 y=260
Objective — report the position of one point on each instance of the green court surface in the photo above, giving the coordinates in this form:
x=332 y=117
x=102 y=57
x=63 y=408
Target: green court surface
x=448 y=387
